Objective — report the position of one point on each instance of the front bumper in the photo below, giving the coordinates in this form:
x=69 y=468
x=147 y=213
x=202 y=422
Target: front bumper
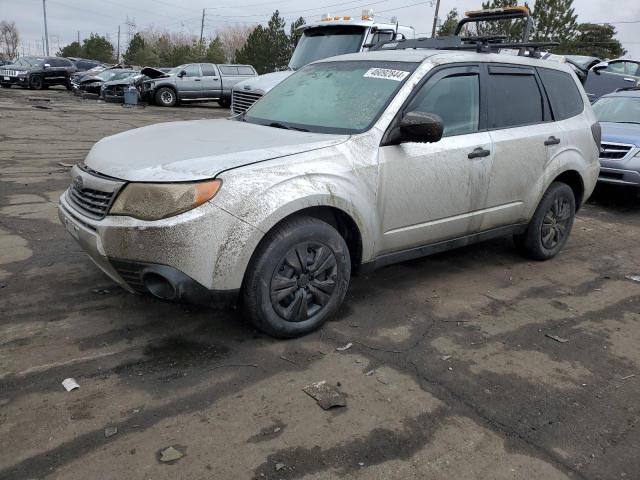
x=173 y=259
x=21 y=81
x=619 y=176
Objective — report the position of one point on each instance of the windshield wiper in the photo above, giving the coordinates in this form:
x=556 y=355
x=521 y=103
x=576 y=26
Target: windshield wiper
x=286 y=127
x=634 y=123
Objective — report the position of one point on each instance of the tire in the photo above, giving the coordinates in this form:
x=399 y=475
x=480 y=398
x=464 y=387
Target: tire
x=36 y=82
x=550 y=226
x=166 y=97
x=5 y=85
x=68 y=85
x=278 y=284
x=224 y=102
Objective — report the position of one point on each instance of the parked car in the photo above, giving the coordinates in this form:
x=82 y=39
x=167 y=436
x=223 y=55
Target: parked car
x=193 y=82
x=112 y=91
x=82 y=64
x=351 y=163
x=93 y=84
x=619 y=115
x=37 y=72
x=606 y=77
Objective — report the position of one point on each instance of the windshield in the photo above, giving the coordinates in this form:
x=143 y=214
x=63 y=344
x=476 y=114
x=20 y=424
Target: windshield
x=176 y=70
x=332 y=97
x=581 y=60
x=106 y=75
x=618 y=109
x=324 y=42
x=122 y=75
x=30 y=61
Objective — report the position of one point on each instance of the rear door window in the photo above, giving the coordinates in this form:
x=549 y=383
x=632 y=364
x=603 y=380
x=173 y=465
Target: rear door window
x=208 y=70
x=227 y=70
x=516 y=98
x=566 y=100
x=246 y=71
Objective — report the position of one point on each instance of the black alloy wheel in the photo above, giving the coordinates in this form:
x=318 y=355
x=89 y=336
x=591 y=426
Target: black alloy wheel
x=556 y=223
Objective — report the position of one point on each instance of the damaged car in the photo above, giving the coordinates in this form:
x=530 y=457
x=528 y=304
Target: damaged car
x=350 y=164
x=93 y=84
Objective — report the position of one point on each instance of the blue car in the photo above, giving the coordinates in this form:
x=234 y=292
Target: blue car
x=619 y=116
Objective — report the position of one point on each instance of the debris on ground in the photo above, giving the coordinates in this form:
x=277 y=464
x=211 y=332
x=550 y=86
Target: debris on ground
x=633 y=278
x=327 y=396
x=369 y=373
x=101 y=291
x=346 y=347
x=361 y=464
x=628 y=377
x=170 y=454
x=445 y=357
x=70 y=384
x=382 y=380
x=110 y=431
x=276 y=430
x=279 y=466
x=557 y=338
x=41 y=107
x=66 y=165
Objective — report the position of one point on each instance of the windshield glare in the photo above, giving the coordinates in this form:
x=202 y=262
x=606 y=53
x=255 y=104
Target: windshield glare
x=106 y=75
x=30 y=61
x=324 y=42
x=332 y=97
x=618 y=109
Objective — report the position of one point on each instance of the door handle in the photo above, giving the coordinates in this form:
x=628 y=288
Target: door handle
x=627 y=79
x=479 y=152
x=196 y=79
x=552 y=141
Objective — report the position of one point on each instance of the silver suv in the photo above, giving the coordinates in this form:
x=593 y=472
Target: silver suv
x=352 y=163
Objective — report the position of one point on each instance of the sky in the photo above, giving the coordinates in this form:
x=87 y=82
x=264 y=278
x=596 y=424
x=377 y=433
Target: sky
x=69 y=18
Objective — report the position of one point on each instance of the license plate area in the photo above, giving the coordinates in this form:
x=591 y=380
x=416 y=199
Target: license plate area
x=7 y=78
x=72 y=228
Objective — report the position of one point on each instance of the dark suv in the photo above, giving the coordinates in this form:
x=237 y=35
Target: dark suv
x=37 y=72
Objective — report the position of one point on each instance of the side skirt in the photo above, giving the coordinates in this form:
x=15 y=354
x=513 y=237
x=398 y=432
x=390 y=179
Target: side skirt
x=423 y=251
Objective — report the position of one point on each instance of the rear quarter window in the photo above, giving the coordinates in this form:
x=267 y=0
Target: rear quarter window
x=566 y=100
x=516 y=98
x=246 y=71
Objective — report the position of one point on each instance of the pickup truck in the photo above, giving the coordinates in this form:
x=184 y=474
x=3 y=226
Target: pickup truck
x=193 y=82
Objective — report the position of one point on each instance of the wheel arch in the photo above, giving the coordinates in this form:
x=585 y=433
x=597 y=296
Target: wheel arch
x=574 y=180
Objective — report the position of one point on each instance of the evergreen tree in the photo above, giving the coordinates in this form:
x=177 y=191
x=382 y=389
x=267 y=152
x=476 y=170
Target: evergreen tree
x=139 y=52
x=214 y=53
x=555 y=21
x=295 y=32
x=97 y=47
x=268 y=48
x=595 y=41
x=74 y=49
x=448 y=27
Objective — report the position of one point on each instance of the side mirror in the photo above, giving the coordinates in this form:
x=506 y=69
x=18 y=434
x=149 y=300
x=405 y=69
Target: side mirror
x=600 y=66
x=182 y=74
x=421 y=127
x=47 y=65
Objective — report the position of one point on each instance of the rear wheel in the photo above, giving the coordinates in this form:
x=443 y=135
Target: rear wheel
x=5 y=85
x=166 y=97
x=549 y=229
x=298 y=278
x=68 y=85
x=36 y=82
x=224 y=102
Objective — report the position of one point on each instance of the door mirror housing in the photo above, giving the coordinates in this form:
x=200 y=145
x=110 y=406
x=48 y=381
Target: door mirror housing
x=421 y=127
x=47 y=65
x=182 y=74
x=600 y=66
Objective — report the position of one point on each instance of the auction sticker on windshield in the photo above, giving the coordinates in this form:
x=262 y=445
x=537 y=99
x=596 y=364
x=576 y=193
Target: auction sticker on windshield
x=386 y=73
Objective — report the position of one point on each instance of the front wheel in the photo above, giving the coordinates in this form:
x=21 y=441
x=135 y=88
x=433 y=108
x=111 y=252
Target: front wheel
x=5 y=85
x=36 y=82
x=298 y=278
x=224 y=102
x=549 y=228
x=166 y=97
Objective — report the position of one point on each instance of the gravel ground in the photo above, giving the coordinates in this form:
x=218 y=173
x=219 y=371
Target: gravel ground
x=451 y=373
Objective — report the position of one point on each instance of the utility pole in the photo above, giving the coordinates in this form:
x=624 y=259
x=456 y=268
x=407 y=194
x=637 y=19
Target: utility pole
x=78 y=37
x=118 y=50
x=46 y=34
x=435 y=19
x=202 y=26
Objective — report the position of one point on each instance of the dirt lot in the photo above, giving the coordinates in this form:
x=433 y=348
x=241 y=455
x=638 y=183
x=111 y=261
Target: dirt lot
x=451 y=374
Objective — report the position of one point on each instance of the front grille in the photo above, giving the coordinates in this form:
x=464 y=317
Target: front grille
x=7 y=73
x=131 y=273
x=92 y=203
x=614 y=151
x=243 y=100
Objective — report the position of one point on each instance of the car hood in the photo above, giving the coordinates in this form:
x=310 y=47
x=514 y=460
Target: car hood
x=263 y=83
x=621 y=133
x=197 y=149
x=90 y=80
x=124 y=81
x=153 y=72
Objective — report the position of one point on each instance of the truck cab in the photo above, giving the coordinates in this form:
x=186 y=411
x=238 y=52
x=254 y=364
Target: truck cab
x=326 y=38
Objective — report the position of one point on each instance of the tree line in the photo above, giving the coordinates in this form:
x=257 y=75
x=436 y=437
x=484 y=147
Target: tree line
x=555 y=21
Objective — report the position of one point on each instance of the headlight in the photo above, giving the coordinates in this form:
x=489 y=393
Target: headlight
x=154 y=201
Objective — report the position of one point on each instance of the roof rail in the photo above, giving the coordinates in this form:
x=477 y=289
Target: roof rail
x=487 y=44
